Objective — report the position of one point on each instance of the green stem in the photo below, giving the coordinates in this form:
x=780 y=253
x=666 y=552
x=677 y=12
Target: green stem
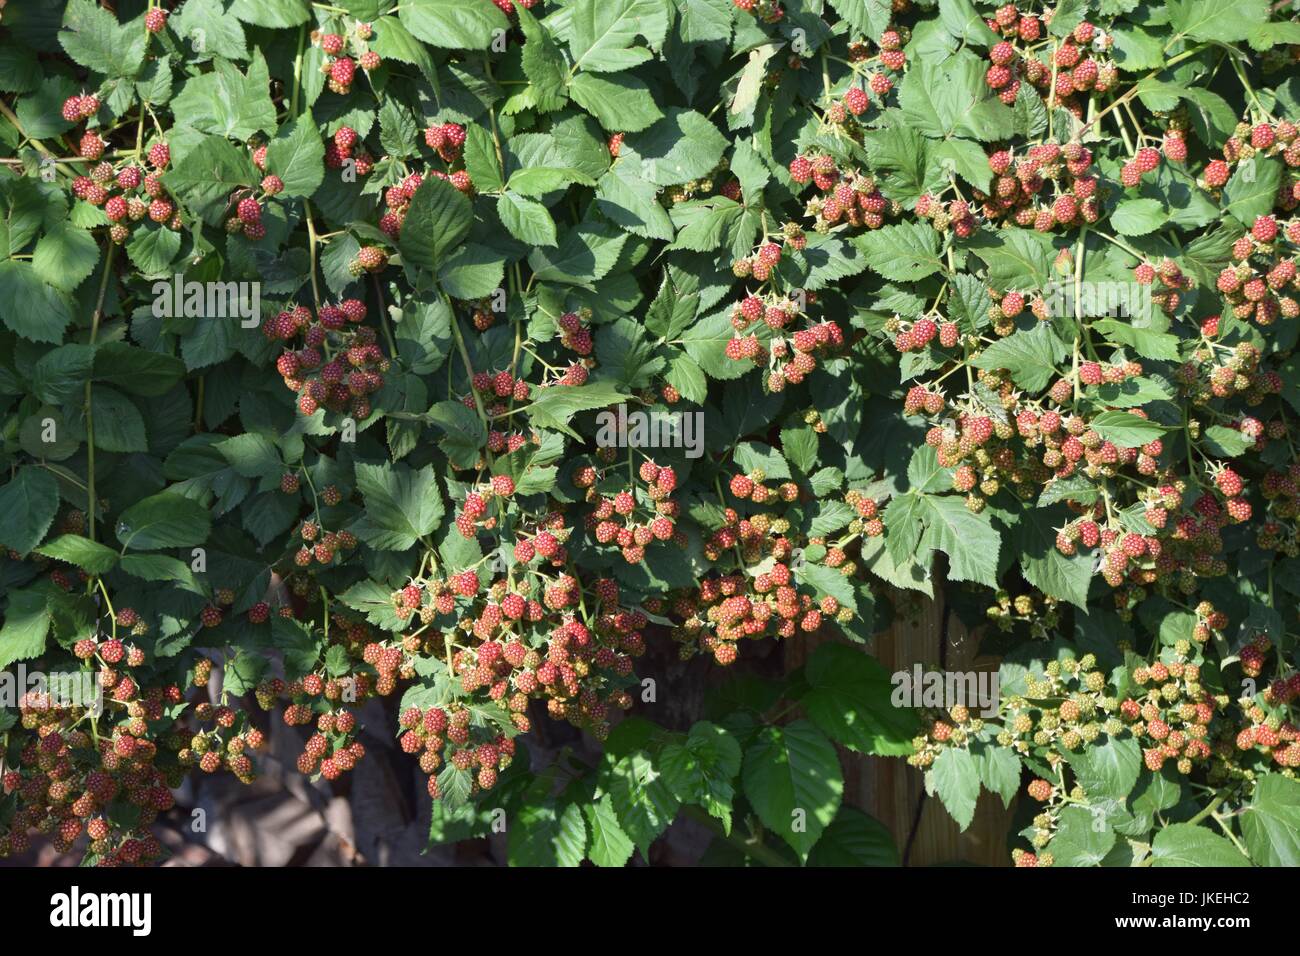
x=91 y=500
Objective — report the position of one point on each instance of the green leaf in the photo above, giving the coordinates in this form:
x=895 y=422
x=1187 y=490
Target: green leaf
x=65 y=257
x=29 y=307
x=630 y=201
x=402 y=505
x=1126 y=429
x=153 y=249
x=1186 y=844
x=1270 y=823
x=956 y=780
x=118 y=424
x=586 y=253
x=481 y=160
x=1137 y=217
x=271 y=13
x=464 y=434
x=963 y=22
x=999 y=770
x=543 y=64
x=437 y=221
x=940 y=99
x=855 y=839
x=1147 y=343
x=1017 y=258
x=137 y=370
x=392 y=41
x=208 y=174
x=472 y=272
x=682 y=146
x=1078 y=840
x=602 y=31
x=868 y=17
x=969 y=540
x=904 y=252
x=609 y=845
x=642 y=798
x=91 y=556
x=1252 y=188
x=555 y=406
x=297 y=156
x=222 y=34
x=620 y=103
x=28 y=504
x=850 y=699
x=1222 y=21
x=1225 y=442
x=227 y=102
x=92 y=36
x=27 y=622
x=1108 y=770
x=701 y=769
x=453 y=24
x=1030 y=356
x=543 y=834
x=1061 y=576
x=792 y=779
x=526 y=219
x=163 y=521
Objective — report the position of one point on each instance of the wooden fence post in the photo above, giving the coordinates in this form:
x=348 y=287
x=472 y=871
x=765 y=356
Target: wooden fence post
x=893 y=792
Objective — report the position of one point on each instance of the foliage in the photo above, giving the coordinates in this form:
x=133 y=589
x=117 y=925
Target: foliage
x=316 y=318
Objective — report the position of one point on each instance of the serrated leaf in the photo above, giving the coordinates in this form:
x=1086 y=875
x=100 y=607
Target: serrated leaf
x=793 y=781
x=955 y=779
x=402 y=505
x=28 y=504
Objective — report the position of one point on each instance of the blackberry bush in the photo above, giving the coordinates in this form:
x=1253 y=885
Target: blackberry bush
x=315 y=317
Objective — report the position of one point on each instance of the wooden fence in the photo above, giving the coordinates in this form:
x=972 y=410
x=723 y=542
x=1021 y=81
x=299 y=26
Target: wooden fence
x=893 y=792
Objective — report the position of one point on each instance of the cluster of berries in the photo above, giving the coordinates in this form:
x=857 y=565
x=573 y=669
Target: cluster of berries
x=776 y=311
x=1263 y=139
x=916 y=336
x=890 y=44
x=849 y=196
x=64 y=776
x=955 y=215
x=340 y=149
x=338 y=364
x=478 y=501
x=632 y=518
x=1167 y=280
x=128 y=194
x=733 y=607
x=764 y=260
x=1262 y=283
x=339 y=51
x=1171 y=715
x=1280 y=530
x=320 y=546
x=1050 y=186
x=1068 y=705
x=227 y=745
x=1038 y=614
x=248 y=214
x=447 y=740
x=945 y=730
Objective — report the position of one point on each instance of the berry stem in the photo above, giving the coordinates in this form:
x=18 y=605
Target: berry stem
x=92 y=499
